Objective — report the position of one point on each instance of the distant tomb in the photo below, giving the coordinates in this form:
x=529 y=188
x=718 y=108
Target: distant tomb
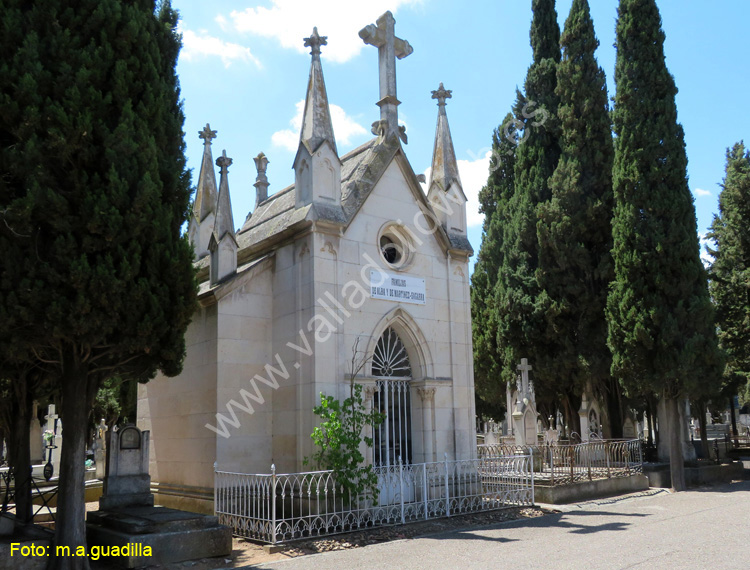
x=127 y=515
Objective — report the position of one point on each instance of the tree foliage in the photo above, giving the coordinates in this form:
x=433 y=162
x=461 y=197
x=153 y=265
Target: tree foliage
x=519 y=300
x=574 y=229
x=730 y=270
x=96 y=279
x=660 y=316
x=490 y=368
x=338 y=439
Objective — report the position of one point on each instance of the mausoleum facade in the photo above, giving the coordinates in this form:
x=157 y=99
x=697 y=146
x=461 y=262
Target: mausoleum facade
x=354 y=270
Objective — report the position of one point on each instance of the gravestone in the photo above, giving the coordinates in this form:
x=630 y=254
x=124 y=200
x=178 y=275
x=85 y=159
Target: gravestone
x=100 y=450
x=524 y=413
x=36 y=443
x=688 y=449
x=127 y=482
x=128 y=518
x=53 y=447
x=629 y=429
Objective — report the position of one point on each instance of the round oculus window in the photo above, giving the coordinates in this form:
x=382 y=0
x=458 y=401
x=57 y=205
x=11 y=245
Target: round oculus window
x=394 y=247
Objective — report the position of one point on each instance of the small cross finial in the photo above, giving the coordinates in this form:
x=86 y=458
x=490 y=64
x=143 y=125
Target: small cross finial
x=441 y=94
x=315 y=41
x=224 y=162
x=207 y=134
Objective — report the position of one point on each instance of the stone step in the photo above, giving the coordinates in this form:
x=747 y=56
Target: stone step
x=144 y=520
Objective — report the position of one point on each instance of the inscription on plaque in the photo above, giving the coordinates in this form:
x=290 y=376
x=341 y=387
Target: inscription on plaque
x=130 y=438
x=401 y=288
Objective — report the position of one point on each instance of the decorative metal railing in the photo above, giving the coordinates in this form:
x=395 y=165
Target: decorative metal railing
x=562 y=464
x=277 y=508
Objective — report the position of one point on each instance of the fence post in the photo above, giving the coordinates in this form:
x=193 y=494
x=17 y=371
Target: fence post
x=552 y=464
x=272 y=502
x=531 y=468
x=216 y=490
x=401 y=486
x=425 y=490
x=606 y=452
x=627 y=458
x=447 y=488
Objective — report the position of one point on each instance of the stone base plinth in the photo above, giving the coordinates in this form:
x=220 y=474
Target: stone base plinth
x=171 y=535
x=586 y=490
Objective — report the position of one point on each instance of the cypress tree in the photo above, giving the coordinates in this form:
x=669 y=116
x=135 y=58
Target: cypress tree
x=489 y=366
x=575 y=235
x=660 y=316
x=730 y=271
x=519 y=301
x=97 y=280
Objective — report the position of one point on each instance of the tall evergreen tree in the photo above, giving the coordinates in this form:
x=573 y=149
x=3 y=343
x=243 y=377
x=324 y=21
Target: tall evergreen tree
x=519 y=301
x=494 y=198
x=575 y=234
x=730 y=271
x=660 y=316
x=96 y=279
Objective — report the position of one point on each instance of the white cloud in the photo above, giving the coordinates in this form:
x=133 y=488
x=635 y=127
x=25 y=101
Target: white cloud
x=701 y=192
x=291 y=20
x=198 y=45
x=344 y=128
x=473 y=175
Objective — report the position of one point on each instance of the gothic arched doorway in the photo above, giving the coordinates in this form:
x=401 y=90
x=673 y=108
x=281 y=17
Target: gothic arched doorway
x=391 y=367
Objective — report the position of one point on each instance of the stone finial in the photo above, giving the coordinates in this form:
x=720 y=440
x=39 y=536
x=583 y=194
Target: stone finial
x=315 y=41
x=261 y=180
x=207 y=134
x=224 y=162
x=441 y=94
x=261 y=163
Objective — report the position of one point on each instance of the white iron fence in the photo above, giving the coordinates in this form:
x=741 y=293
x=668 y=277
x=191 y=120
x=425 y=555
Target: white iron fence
x=562 y=464
x=281 y=507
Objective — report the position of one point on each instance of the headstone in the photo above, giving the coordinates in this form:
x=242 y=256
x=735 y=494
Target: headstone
x=127 y=482
x=551 y=436
x=36 y=442
x=53 y=447
x=629 y=429
x=688 y=449
x=127 y=517
x=100 y=450
x=525 y=414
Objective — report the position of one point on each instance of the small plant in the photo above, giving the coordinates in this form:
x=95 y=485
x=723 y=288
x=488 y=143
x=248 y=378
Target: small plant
x=48 y=436
x=339 y=436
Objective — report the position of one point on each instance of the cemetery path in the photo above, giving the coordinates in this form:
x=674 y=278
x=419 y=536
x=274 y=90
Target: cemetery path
x=695 y=529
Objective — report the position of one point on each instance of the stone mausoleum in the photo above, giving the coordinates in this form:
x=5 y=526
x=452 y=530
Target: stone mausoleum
x=353 y=267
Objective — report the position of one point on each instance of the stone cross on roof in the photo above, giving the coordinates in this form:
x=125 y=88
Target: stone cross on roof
x=524 y=367
x=441 y=94
x=315 y=41
x=383 y=37
x=207 y=134
x=224 y=162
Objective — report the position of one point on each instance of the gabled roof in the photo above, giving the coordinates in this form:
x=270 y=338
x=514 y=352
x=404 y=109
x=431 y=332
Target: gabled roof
x=278 y=218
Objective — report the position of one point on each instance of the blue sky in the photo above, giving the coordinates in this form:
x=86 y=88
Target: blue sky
x=243 y=68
